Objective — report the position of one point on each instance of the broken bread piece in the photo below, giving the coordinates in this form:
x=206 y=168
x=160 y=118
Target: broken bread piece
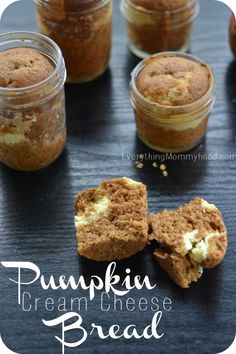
x=191 y=237
x=111 y=220
x=182 y=270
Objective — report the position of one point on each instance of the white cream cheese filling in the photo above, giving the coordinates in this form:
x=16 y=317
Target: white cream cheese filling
x=130 y=182
x=198 y=249
x=16 y=128
x=189 y=240
x=94 y=211
x=207 y=206
x=200 y=252
x=9 y=138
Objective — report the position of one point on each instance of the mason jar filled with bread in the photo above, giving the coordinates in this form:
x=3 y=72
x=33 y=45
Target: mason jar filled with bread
x=32 y=101
x=82 y=29
x=232 y=34
x=159 y=25
x=172 y=96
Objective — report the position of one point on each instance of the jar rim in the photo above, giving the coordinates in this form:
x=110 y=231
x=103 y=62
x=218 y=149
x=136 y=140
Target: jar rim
x=161 y=12
x=193 y=58
x=100 y=4
x=27 y=36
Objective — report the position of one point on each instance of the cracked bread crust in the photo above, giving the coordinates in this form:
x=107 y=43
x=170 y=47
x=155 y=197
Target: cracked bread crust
x=21 y=67
x=173 y=81
x=182 y=270
x=161 y=5
x=195 y=229
x=111 y=221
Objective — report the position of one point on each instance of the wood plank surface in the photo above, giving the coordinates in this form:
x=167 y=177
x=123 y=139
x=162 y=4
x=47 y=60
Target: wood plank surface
x=36 y=214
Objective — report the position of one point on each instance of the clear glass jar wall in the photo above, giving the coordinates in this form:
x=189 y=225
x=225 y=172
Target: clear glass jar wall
x=32 y=118
x=171 y=128
x=82 y=29
x=152 y=31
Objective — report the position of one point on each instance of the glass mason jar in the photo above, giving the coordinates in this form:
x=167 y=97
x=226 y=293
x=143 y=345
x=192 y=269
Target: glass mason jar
x=82 y=29
x=152 y=31
x=32 y=118
x=232 y=34
x=171 y=128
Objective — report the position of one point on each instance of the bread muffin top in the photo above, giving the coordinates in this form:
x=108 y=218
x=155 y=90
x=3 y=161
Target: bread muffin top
x=173 y=81
x=21 y=67
x=161 y=5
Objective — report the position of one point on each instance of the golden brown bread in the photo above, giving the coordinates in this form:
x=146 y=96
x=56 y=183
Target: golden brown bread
x=173 y=81
x=182 y=270
x=21 y=67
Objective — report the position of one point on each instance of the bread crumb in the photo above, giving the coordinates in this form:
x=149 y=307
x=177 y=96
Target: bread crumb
x=163 y=167
x=139 y=165
x=155 y=165
x=165 y=173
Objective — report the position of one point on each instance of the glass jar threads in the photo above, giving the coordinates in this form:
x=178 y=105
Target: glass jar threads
x=172 y=96
x=32 y=102
x=158 y=26
x=82 y=29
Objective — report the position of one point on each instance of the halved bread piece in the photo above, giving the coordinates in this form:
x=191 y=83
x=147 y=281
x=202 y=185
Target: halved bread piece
x=111 y=220
x=191 y=238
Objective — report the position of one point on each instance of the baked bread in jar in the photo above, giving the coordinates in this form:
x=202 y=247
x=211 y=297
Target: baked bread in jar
x=32 y=102
x=172 y=95
x=232 y=34
x=82 y=29
x=158 y=26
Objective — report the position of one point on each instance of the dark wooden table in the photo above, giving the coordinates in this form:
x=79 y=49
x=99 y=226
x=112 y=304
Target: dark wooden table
x=36 y=214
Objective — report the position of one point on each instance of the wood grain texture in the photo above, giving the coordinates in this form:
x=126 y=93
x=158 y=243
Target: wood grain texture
x=36 y=215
